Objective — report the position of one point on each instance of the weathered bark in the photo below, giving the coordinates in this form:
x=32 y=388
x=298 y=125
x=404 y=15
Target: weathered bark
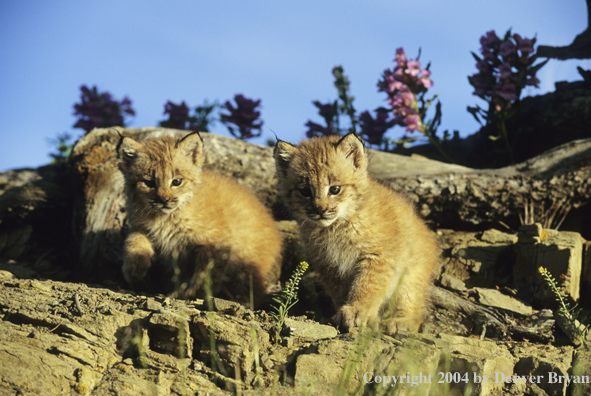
x=452 y=197
x=481 y=315
x=35 y=213
x=488 y=322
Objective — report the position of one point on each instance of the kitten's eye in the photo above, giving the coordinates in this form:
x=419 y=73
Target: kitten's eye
x=150 y=183
x=177 y=182
x=306 y=192
x=334 y=190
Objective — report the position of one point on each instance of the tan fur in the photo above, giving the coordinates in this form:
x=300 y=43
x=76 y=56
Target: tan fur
x=373 y=253
x=180 y=212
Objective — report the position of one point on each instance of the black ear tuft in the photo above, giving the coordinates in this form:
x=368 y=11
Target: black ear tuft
x=192 y=146
x=118 y=147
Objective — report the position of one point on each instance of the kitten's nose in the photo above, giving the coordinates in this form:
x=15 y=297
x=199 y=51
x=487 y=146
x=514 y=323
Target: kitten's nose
x=320 y=210
x=164 y=198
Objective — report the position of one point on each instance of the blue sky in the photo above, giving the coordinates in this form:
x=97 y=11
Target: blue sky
x=279 y=52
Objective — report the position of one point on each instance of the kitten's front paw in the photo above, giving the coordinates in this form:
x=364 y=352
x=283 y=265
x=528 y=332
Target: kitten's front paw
x=135 y=270
x=348 y=317
x=410 y=324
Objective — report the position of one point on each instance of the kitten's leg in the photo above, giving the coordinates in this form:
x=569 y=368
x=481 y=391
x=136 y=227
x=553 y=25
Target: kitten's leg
x=203 y=272
x=365 y=297
x=336 y=288
x=408 y=316
x=138 y=255
x=408 y=312
x=409 y=309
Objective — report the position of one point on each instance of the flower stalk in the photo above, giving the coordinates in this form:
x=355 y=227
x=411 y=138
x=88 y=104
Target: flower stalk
x=287 y=298
x=406 y=86
x=505 y=68
x=564 y=309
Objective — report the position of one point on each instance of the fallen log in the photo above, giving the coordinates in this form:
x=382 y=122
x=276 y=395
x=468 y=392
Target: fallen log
x=446 y=195
x=542 y=187
x=482 y=316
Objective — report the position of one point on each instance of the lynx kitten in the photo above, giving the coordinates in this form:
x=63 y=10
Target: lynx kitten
x=183 y=214
x=372 y=252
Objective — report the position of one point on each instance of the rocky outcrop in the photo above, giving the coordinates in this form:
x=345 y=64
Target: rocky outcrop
x=75 y=338
x=559 y=252
x=66 y=338
x=67 y=324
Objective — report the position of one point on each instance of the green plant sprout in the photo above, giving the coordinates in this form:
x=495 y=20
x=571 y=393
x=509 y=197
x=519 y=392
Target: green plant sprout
x=565 y=310
x=287 y=298
x=63 y=145
x=341 y=83
x=183 y=361
x=216 y=362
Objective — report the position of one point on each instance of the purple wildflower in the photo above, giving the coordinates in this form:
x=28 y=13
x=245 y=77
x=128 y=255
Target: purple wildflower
x=508 y=49
x=483 y=66
x=244 y=116
x=328 y=111
x=386 y=82
x=505 y=71
x=373 y=130
x=413 y=68
x=177 y=115
x=424 y=80
x=481 y=86
x=401 y=100
x=507 y=92
x=398 y=86
x=99 y=110
x=492 y=58
x=525 y=46
x=413 y=122
x=403 y=85
x=502 y=73
x=315 y=129
x=400 y=73
x=489 y=41
x=489 y=46
x=400 y=57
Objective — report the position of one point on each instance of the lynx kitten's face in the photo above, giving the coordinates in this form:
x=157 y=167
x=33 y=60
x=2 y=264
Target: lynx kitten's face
x=322 y=180
x=160 y=173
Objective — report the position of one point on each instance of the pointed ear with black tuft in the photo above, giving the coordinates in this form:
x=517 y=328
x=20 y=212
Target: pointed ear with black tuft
x=192 y=146
x=283 y=154
x=127 y=151
x=352 y=146
x=121 y=137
